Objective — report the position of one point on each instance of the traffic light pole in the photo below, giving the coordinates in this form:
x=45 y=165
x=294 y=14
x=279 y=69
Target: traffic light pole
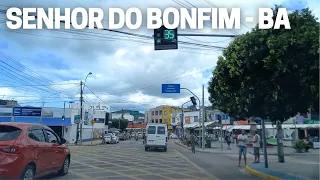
x=203 y=128
x=199 y=108
x=81 y=111
x=182 y=118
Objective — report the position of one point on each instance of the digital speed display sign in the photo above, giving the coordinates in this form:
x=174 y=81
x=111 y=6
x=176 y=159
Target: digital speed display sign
x=165 y=39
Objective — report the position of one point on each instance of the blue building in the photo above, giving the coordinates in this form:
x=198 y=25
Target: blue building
x=52 y=117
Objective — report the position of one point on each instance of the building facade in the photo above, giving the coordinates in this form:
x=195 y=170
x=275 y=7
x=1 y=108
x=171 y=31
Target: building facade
x=62 y=120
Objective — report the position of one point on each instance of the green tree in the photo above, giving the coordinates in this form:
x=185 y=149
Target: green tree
x=123 y=123
x=272 y=74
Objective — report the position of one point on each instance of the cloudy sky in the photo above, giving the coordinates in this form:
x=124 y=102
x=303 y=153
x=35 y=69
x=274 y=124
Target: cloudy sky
x=46 y=66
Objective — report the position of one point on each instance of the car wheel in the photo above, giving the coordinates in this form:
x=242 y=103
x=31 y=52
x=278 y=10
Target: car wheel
x=165 y=149
x=146 y=149
x=65 y=167
x=28 y=173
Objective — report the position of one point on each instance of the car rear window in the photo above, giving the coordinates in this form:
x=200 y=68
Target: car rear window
x=161 y=130
x=9 y=133
x=151 y=130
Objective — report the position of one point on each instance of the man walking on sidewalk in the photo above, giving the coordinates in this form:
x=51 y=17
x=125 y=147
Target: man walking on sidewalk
x=193 y=142
x=242 y=143
x=256 y=147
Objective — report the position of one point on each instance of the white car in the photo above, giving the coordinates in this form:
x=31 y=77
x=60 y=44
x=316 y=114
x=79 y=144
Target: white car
x=173 y=136
x=140 y=135
x=156 y=137
x=107 y=138
x=114 y=138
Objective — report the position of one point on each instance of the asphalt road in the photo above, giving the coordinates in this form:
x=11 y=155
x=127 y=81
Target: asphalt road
x=128 y=160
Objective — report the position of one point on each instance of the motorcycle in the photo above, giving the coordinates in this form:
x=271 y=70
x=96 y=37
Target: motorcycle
x=137 y=138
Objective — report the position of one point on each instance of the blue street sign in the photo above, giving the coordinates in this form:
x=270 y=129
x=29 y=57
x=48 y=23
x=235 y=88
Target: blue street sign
x=170 y=88
x=27 y=111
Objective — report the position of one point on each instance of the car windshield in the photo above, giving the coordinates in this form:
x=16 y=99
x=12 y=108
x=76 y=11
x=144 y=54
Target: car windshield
x=9 y=133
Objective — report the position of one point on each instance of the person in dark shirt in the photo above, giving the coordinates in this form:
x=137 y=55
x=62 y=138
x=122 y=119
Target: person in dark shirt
x=193 y=139
x=228 y=140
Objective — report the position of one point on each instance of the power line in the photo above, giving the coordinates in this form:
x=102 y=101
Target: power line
x=144 y=36
x=35 y=85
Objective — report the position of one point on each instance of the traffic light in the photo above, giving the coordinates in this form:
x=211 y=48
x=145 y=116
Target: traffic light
x=63 y=118
x=193 y=100
x=165 y=39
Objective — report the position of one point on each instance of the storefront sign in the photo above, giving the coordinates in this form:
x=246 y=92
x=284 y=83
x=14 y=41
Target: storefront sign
x=137 y=126
x=311 y=122
x=245 y=122
x=27 y=111
x=47 y=113
x=2 y=102
x=187 y=118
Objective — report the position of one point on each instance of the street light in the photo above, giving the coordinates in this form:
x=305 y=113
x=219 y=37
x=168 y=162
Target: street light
x=82 y=85
x=182 y=118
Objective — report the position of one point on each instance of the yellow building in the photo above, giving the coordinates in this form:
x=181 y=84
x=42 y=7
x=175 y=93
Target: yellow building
x=166 y=116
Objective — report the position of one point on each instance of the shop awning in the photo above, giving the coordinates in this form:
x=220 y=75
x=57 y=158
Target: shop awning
x=193 y=125
x=35 y=120
x=53 y=121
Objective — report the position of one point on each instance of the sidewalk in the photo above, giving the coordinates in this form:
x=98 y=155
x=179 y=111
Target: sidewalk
x=291 y=169
x=216 y=148
x=87 y=143
x=296 y=166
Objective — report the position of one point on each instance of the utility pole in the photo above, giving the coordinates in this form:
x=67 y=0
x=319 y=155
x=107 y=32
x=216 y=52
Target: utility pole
x=64 y=117
x=120 y=118
x=81 y=111
x=182 y=119
x=263 y=136
x=41 y=112
x=203 y=128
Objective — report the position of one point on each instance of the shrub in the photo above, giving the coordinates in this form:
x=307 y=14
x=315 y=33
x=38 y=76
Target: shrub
x=300 y=146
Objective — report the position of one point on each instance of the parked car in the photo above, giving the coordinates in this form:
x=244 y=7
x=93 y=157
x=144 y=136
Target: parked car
x=122 y=137
x=173 y=136
x=140 y=135
x=114 y=138
x=30 y=151
x=107 y=139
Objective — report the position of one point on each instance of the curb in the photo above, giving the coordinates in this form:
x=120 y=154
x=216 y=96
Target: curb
x=200 y=150
x=260 y=174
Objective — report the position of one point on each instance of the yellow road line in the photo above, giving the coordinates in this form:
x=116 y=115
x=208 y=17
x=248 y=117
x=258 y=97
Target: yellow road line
x=146 y=172
x=198 y=167
x=79 y=174
x=104 y=170
x=167 y=170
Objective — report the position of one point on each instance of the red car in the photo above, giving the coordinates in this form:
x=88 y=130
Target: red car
x=29 y=151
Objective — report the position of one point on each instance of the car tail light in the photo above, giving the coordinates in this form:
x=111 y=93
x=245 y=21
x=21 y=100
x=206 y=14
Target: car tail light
x=12 y=149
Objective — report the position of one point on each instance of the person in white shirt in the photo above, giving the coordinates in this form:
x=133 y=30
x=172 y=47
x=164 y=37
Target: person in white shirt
x=242 y=144
x=256 y=147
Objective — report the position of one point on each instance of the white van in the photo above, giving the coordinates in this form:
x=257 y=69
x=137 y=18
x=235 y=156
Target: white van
x=156 y=136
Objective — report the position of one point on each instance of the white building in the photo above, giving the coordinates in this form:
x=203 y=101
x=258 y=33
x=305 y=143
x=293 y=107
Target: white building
x=90 y=112
x=193 y=117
